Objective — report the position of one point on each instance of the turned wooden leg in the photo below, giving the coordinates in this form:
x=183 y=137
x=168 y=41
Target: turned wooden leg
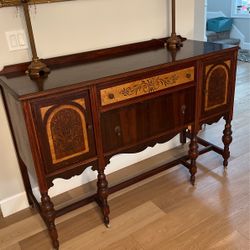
x=183 y=136
x=102 y=192
x=49 y=217
x=193 y=154
x=227 y=139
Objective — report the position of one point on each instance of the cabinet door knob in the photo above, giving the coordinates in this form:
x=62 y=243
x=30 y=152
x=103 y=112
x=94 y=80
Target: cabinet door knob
x=90 y=127
x=118 y=130
x=183 y=109
x=188 y=75
x=111 y=96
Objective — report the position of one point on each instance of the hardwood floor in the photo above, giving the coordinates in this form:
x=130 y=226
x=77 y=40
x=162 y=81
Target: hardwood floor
x=165 y=211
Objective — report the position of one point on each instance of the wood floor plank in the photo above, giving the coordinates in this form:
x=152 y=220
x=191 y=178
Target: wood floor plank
x=233 y=241
x=207 y=235
x=20 y=230
x=123 y=225
x=4 y=222
x=218 y=204
x=190 y=216
x=12 y=247
x=67 y=229
x=242 y=224
x=128 y=243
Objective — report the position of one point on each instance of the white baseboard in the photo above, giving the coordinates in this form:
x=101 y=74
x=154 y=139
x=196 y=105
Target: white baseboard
x=19 y=201
x=14 y=204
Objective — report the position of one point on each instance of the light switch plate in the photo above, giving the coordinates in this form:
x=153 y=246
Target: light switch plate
x=16 y=40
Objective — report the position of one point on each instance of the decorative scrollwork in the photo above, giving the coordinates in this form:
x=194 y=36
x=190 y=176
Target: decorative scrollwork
x=149 y=85
x=125 y=91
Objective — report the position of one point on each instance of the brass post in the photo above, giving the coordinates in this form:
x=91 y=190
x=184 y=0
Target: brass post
x=174 y=41
x=37 y=68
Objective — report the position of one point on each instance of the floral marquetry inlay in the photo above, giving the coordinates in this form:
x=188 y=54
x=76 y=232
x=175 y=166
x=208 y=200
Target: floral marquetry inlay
x=66 y=130
x=145 y=86
x=216 y=86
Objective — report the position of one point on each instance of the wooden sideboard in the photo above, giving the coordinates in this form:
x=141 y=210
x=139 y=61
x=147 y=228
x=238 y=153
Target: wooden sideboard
x=97 y=104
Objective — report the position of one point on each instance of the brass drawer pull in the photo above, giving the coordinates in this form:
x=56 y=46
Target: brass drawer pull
x=111 y=96
x=118 y=130
x=183 y=109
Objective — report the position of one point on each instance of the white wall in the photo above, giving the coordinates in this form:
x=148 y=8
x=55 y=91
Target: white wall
x=71 y=27
x=243 y=24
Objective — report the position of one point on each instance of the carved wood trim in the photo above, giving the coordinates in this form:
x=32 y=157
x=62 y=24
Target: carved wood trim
x=145 y=86
x=52 y=148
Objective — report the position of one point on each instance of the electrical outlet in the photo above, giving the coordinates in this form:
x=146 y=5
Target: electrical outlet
x=16 y=40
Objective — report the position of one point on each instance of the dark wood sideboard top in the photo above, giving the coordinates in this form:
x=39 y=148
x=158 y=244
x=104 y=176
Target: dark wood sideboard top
x=102 y=65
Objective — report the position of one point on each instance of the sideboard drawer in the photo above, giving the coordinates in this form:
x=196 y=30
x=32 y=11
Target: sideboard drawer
x=126 y=91
x=65 y=131
x=135 y=123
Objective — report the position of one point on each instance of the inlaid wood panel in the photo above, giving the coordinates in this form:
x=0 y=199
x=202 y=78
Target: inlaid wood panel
x=216 y=85
x=145 y=86
x=65 y=130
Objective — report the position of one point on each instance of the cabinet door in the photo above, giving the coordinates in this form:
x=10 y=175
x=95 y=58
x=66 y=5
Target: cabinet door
x=217 y=86
x=64 y=127
x=147 y=120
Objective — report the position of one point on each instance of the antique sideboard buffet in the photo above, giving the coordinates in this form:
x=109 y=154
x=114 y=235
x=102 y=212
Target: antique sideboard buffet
x=97 y=104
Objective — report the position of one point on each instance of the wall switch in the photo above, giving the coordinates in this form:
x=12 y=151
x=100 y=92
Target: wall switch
x=16 y=40
x=13 y=41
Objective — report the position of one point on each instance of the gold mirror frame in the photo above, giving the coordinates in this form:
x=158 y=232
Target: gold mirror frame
x=9 y=3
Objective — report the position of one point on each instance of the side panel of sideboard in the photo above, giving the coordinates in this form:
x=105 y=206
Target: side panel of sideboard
x=218 y=85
